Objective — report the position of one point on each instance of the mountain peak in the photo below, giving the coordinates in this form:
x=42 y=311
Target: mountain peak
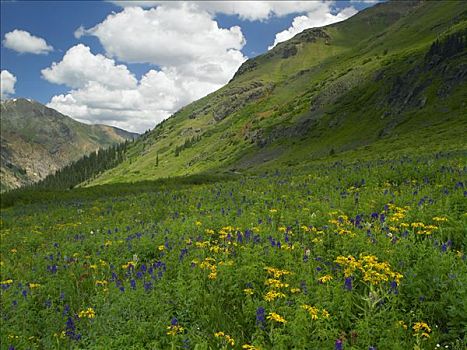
x=38 y=140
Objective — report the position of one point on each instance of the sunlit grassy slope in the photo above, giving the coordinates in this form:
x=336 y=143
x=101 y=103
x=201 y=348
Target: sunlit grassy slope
x=361 y=88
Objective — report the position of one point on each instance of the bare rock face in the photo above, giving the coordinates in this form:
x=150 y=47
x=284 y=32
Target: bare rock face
x=37 y=141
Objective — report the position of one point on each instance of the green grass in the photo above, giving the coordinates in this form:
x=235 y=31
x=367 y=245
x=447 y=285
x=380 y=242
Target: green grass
x=200 y=246
x=338 y=78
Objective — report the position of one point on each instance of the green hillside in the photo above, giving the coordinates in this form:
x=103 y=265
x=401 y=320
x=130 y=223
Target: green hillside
x=387 y=81
x=37 y=141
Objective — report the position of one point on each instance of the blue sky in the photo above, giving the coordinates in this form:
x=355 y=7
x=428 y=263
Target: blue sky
x=134 y=66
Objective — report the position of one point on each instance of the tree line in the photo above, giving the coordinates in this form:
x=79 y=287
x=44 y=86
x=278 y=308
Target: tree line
x=84 y=168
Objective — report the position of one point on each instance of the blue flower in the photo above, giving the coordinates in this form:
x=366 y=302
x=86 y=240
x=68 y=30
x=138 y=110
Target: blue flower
x=260 y=317
x=348 y=283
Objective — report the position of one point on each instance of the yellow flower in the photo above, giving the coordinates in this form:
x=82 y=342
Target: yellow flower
x=88 y=313
x=402 y=324
x=276 y=317
x=272 y=295
x=325 y=278
x=10 y=281
x=440 y=219
x=174 y=329
x=101 y=283
x=227 y=338
x=14 y=250
x=312 y=310
x=198 y=223
x=249 y=291
x=273 y=211
x=161 y=248
x=129 y=264
x=275 y=283
x=421 y=326
x=277 y=273
x=34 y=285
x=250 y=347
x=295 y=290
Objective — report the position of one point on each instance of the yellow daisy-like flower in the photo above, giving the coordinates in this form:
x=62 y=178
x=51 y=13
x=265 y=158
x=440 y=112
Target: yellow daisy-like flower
x=276 y=317
x=312 y=310
x=250 y=347
x=174 y=330
x=88 y=313
x=229 y=340
x=273 y=295
x=249 y=291
x=325 y=279
x=421 y=326
x=440 y=219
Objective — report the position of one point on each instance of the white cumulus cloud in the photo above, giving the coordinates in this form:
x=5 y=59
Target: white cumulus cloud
x=191 y=58
x=7 y=84
x=246 y=10
x=23 y=42
x=175 y=36
x=79 y=66
x=104 y=92
x=318 y=17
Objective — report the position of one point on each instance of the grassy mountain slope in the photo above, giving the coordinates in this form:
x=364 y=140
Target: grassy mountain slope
x=364 y=87
x=37 y=141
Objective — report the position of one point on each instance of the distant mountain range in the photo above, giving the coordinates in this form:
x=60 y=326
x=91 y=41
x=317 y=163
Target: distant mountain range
x=37 y=140
x=389 y=80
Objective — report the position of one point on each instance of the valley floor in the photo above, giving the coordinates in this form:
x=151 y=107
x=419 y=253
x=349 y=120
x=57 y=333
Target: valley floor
x=368 y=255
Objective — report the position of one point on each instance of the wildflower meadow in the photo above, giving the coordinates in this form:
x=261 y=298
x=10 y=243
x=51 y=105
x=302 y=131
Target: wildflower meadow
x=336 y=255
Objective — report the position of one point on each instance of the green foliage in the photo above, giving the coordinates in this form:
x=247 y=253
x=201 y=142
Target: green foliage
x=168 y=264
x=83 y=169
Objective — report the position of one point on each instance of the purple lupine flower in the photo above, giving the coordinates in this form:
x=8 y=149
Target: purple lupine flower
x=260 y=317
x=183 y=252
x=338 y=345
x=303 y=287
x=393 y=286
x=148 y=286
x=174 y=321
x=348 y=283
x=247 y=235
x=133 y=284
x=52 y=268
